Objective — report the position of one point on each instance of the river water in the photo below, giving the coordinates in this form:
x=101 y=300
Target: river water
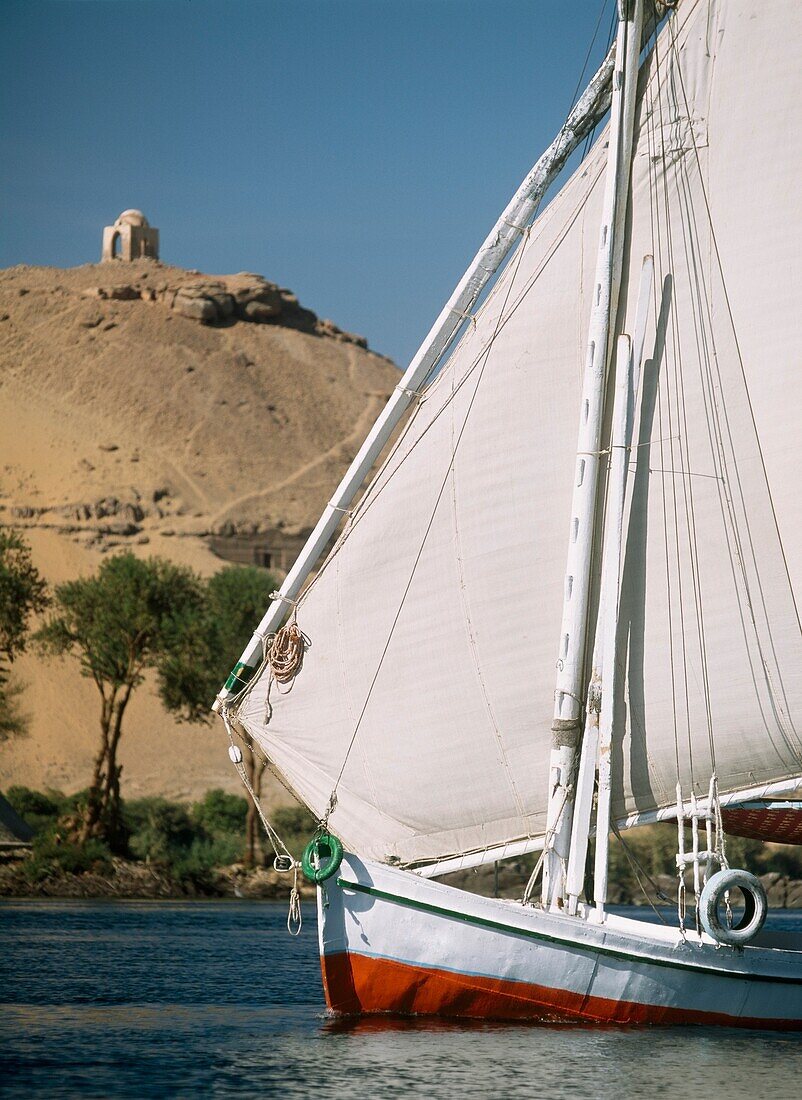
x=197 y=999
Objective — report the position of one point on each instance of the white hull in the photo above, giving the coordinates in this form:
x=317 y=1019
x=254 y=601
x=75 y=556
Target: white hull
x=392 y=942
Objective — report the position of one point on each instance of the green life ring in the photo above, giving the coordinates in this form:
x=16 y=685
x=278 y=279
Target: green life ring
x=322 y=857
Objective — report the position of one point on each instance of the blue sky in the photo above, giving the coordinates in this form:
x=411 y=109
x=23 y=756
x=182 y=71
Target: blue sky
x=356 y=151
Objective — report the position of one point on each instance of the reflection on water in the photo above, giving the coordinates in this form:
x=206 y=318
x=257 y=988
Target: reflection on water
x=105 y=999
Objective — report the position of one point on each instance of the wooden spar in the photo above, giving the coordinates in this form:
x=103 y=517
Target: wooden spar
x=590 y=108
x=570 y=687
x=516 y=848
x=614 y=527
x=586 y=774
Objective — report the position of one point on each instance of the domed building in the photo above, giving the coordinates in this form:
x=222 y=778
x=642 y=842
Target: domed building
x=130 y=238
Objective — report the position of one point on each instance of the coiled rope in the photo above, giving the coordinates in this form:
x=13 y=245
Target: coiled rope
x=283 y=654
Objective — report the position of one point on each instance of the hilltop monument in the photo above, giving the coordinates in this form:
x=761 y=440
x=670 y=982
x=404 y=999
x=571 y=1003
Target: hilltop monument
x=130 y=238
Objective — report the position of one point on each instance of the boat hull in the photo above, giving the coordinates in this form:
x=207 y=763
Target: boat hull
x=391 y=942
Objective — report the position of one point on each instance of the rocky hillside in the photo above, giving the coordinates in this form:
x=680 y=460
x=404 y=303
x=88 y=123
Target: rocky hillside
x=151 y=408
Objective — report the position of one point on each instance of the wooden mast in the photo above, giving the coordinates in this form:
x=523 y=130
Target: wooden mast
x=570 y=686
x=602 y=689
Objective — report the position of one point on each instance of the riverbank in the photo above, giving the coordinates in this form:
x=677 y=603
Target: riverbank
x=128 y=879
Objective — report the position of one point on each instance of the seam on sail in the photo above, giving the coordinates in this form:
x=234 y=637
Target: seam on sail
x=473 y=645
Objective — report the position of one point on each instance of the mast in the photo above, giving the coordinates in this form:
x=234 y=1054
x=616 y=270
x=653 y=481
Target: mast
x=569 y=690
x=602 y=688
x=589 y=109
x=611 y=584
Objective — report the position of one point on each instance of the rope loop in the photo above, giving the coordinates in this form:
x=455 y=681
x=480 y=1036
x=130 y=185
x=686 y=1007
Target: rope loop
x=295 y=920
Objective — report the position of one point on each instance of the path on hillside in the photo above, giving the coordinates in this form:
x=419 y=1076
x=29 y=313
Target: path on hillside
x=354 y=439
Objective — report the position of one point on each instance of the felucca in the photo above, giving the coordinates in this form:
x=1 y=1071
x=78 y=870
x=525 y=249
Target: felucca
x=656 y=299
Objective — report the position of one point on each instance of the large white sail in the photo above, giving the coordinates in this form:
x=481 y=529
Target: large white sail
x=426 y=695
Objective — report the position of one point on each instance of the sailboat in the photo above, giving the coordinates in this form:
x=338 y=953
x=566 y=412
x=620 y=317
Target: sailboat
x=524 y=638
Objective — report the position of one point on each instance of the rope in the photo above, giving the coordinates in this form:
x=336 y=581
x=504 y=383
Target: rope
x=547 y=839
x=280 y=849
x=636 y=866
x=284 y=657
x=285 y=653
x=295 y=920
x=283 y=861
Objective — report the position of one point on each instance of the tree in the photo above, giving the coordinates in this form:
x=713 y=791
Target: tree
x=23 y=593
x=131 y=616
x=236 y=599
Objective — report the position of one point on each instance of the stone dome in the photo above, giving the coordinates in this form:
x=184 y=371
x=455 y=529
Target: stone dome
x=132 y=217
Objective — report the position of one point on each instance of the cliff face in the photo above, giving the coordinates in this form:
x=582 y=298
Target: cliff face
x=149 y=408
x=163 y=395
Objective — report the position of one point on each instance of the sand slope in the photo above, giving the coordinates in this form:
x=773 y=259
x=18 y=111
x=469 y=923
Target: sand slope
x=126 y=425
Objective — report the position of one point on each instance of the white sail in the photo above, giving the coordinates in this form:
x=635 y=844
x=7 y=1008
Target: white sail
x=426 y=695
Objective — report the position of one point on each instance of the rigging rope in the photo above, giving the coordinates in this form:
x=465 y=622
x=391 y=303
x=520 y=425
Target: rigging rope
x=283 y=860
x=654 y=217
x=786 y=725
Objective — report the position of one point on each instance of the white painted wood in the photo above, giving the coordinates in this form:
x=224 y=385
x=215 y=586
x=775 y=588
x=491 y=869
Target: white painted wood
x=586 y=775
x=585 y=784
x=480 y=859
x=751 y=798
x=569 y=689
x=613 y=541
x=384 y=913
x=789 y=786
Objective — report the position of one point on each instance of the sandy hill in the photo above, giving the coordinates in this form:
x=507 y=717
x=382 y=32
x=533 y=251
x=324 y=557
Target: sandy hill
x=147 y=407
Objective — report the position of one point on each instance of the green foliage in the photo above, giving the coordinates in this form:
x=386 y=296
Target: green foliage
x=130 y=617
x=23 y=593
x=160 y=830
x=296 y=827
x=41 y=811
x=53 y=856
x=195 y=864
x=220 y=813
x=189 y=842
x=193 y=673
x=784 y=858
x=29 y=803
x=13 y=719
x=125 y=619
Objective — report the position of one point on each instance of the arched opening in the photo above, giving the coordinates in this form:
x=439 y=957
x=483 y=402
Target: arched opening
x=116 y=247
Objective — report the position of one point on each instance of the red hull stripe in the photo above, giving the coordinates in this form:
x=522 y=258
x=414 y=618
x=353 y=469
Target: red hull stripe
x=356 y=984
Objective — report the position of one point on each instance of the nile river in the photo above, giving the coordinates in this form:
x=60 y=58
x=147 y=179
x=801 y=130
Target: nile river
x=196 y=999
